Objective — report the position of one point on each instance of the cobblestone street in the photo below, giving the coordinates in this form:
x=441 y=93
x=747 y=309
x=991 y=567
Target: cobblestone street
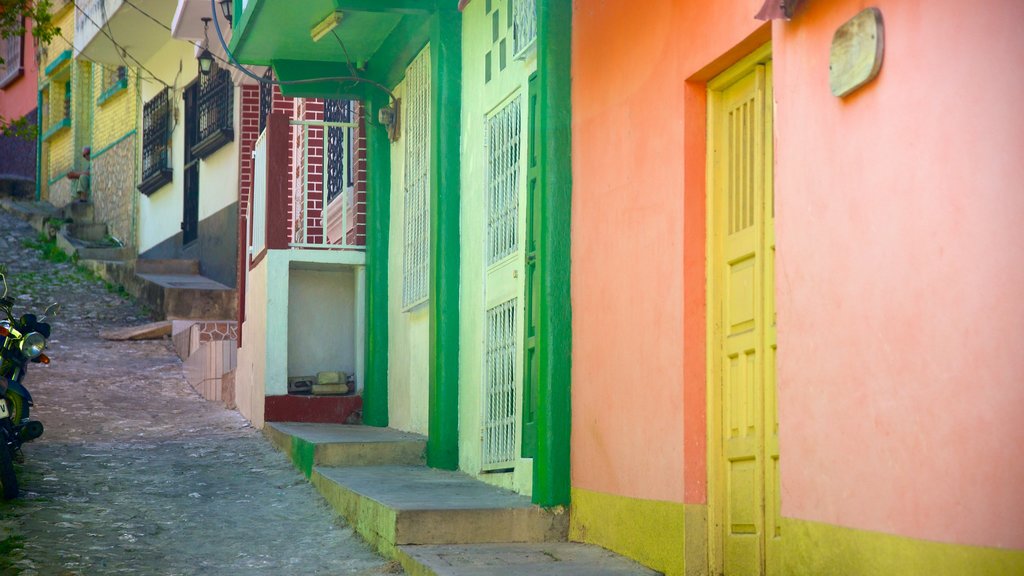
x=136 y=474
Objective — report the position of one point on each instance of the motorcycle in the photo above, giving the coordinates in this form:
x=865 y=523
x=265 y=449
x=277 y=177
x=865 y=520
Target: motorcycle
x=22 y=340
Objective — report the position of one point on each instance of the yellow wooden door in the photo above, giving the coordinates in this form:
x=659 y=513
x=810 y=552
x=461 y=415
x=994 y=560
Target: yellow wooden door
x=745 y=452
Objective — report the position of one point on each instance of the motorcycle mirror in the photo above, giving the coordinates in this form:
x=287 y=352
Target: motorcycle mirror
x=51 y=310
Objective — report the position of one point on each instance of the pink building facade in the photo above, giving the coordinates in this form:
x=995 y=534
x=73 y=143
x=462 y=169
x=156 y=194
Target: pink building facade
x=884 y=305
x=18 y=101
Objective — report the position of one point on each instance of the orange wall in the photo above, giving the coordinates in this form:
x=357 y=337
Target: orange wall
x=638 y=322
x=900 y=281
x=901 y=363
x=19 y=97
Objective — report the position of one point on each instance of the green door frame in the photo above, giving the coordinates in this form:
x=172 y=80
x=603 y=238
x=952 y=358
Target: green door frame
x=378 y=224
x=551 y=481
x=445 y=183
x=551 y=468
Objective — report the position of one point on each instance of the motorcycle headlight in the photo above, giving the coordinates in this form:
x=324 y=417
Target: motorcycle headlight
x=32 y=344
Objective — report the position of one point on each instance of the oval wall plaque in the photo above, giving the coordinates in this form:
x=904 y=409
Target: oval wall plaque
x=856 y=55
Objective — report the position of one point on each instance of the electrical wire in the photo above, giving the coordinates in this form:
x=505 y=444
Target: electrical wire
x=348 y=58
x=79 y=55
x=262 y=80
x=168 y=28
x=123 y=50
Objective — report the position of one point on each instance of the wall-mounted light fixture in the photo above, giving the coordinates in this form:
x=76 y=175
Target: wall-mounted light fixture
x=205 y=57
x=324 y=27
x=225 y=9
x=390 y=117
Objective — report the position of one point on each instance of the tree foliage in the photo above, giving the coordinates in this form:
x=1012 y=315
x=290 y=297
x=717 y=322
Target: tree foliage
x=13 y=14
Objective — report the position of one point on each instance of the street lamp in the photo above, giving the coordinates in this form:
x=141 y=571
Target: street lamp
x=205 y=57
x=225 y=9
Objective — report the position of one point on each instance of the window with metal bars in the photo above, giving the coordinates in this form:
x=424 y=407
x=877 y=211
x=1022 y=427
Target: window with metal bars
x=416 y=256
x=524 y=27
x=266 y=99
x=10 y=51
x=156 y=135
x=503 y=181
x=56 y=113
x=498 y=450
x=214 y=106
x=112 y=81
x=338 y=151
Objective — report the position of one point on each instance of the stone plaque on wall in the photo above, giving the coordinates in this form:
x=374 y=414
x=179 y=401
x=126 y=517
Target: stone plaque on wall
x=856 y=55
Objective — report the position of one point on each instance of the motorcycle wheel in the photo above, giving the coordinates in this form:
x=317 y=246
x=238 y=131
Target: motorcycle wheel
x=16 y=406
x=7 y=478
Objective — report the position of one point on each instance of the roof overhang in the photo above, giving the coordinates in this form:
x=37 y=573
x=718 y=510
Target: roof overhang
x=115 y=31
x=372 y=36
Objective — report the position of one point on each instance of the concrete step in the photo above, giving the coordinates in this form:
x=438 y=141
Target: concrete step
x=392 y=506
x=81 y=212
x=119 y=254
x=187 y=296
x=87 y=231
x=309 y=445
x=168 y=266
x=545 y=559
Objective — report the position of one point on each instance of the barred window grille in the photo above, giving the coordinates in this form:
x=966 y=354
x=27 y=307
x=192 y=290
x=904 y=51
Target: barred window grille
x=10 y=51
x=266 y=99
x=416 y=104
x=499 y=410
x=339 y=148
x=214 y=111
x=66 y=103
x=524 y=27
x=156 y=133
x=503 y=129
x=112 y=76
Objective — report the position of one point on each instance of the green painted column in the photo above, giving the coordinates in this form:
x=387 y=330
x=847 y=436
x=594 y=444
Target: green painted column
x=378 y=224
x=554 y=65
x=446 y=110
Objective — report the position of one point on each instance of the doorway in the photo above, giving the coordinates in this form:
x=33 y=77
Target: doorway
x=743 y=442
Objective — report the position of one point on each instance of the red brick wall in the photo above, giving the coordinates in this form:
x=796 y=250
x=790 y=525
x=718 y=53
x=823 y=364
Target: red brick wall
x=248 y=134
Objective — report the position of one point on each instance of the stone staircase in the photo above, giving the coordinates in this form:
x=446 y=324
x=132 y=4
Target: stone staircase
x=83 y=235
x=435 y=522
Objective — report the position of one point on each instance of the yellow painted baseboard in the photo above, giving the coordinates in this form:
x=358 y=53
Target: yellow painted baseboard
x=651 y=532
x=816 y=548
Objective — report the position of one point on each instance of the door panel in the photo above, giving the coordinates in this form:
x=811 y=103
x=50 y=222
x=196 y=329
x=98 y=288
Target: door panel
x=531 y=371
x=743 y=310
x=503 y=287
x=190 y=208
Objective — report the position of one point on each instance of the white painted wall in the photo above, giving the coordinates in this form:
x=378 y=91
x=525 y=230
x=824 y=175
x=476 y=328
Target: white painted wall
x=250 y=375
x=160 y=213
x=302 y=315
x=408 y=331
x=321 y=321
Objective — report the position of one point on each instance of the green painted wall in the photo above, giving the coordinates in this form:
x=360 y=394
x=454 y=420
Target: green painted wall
x=444 y=305
x=378 y=229
x=554 y=422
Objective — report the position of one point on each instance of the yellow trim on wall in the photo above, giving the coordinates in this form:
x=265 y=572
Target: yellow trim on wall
x=816 y=548
x=648 y=531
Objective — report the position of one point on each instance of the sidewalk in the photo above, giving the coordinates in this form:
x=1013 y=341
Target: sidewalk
x=138 y=475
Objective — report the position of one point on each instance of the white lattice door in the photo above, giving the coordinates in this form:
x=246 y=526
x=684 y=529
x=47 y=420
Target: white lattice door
x=502 y=369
